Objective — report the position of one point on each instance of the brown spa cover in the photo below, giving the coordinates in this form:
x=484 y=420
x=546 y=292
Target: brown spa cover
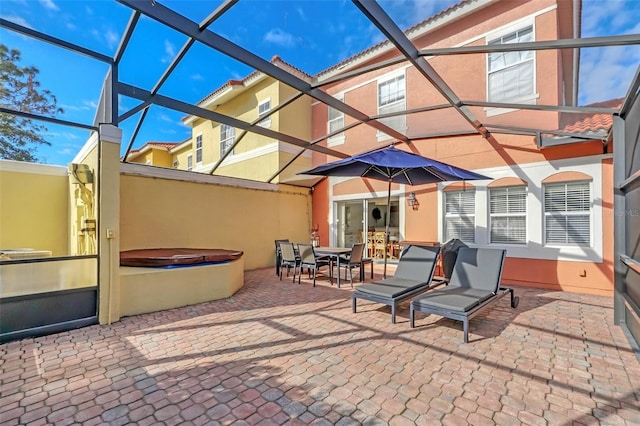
x=176 y=256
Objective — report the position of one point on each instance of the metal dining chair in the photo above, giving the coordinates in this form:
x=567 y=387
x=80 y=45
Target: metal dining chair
x=311 y=261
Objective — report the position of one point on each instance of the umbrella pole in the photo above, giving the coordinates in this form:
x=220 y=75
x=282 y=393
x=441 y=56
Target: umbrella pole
x=386 y=229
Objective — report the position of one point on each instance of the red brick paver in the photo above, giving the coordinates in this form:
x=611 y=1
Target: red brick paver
x=282 y=353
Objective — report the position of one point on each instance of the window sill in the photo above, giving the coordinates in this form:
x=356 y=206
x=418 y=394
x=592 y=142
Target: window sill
x=529 y=100
x=336 y=140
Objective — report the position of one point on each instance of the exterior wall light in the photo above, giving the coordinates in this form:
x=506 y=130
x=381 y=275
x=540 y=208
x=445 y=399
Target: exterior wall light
x=413 y=201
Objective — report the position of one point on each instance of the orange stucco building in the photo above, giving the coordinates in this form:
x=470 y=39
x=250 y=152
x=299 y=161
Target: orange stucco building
x=549 y=202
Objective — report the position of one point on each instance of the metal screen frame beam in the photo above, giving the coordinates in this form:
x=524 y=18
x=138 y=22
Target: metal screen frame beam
x=187 y=27
x=55 y=41
x=252 y=125
x=172 y=66
x=397 y=37
x=572 y=43
x=190 y=109
x=53 y=120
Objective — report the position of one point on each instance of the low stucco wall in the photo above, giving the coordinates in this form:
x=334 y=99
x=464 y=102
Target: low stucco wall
x=145 y=290
x=162 y=208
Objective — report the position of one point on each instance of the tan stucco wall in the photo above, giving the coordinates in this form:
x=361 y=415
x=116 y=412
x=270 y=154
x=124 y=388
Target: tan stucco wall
x=161 y=212
x=150 y=289
x=34 y=208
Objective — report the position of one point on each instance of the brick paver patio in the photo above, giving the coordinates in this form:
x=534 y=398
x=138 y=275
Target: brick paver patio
x=279 y=353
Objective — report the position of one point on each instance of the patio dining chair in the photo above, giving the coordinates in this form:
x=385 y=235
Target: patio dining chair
x=311 y=261
x=279 y=254
x=288 y=259
x=352 y=260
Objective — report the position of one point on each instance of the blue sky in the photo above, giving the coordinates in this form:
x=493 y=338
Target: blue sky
x=311 y=35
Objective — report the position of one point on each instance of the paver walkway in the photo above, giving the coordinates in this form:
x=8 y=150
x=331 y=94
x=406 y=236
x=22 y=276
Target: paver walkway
x=280 y=353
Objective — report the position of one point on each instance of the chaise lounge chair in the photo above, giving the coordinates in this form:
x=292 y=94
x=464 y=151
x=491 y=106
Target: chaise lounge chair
x=474 y=286
x=413 y=276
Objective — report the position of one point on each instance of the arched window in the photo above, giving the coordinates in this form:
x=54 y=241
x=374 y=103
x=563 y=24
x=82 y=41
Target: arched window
x=460 y=212
x=508 y=211
x=567 y=209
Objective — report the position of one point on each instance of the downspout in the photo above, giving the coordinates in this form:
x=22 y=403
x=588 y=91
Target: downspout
x=577 y=29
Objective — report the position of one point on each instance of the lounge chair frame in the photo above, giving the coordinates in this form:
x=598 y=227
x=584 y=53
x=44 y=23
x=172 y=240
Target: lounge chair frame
x=360 y=292
x=465 y=316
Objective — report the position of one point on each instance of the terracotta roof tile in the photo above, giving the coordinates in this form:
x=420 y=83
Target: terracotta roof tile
x=385 y=42
x=589 y=122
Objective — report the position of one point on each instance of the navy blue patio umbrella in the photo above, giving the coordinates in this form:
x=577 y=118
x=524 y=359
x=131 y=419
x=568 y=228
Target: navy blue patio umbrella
x=394 y=165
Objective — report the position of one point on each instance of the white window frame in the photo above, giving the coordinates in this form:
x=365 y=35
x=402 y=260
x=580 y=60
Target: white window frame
x=190 y=162
x=199 y=149
x=175 y=163
x=567 y=213
x=227 y=138
x=491 y=39
x=448 y=215
x=402 y=104
x=508 y=214
x=264 y=111
x=337 y=123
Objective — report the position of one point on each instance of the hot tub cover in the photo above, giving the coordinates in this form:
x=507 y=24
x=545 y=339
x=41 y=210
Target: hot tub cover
x=176 y=256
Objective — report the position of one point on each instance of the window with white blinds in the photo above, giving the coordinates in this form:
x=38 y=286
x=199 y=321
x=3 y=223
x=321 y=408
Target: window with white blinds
x=508 y=215
x=199 y=149
x=511 y=74
x=264 y=108
x=336 y=122
x=392 y=98
x=460 y=215
x=227 y=137
x=567 y=210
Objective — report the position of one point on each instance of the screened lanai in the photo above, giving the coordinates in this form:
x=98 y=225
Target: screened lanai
x=147 y=75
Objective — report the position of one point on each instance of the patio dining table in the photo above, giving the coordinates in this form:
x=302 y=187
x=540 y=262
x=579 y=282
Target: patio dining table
x=333 y=252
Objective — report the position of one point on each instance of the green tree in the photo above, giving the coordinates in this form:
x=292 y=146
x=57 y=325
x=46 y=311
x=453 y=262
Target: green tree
x=20 y=91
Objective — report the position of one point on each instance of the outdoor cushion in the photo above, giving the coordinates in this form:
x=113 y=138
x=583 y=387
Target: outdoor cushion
x=413 y=276
x=453 y=299
x=480 y=269
x=390 y=287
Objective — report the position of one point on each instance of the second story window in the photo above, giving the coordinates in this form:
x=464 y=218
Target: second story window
x=460 y=215
x=189 y=162
x=175 y=164
x=336 y=122
x=391 y=98
x=199 y=149
x=227 y=136
x=511 y=74
x=263 y=109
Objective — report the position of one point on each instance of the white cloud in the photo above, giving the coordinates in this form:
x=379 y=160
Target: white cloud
x=605 y=73
x=165 y=117
x=49 y=4
x=280 y=37
x=17 y=20
x=197 y=77
x=112 y=38
x=169 y=50
x=301 y=13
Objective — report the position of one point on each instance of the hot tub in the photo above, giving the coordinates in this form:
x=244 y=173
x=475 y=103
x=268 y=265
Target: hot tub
x=158 y=279
x=167 y=257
